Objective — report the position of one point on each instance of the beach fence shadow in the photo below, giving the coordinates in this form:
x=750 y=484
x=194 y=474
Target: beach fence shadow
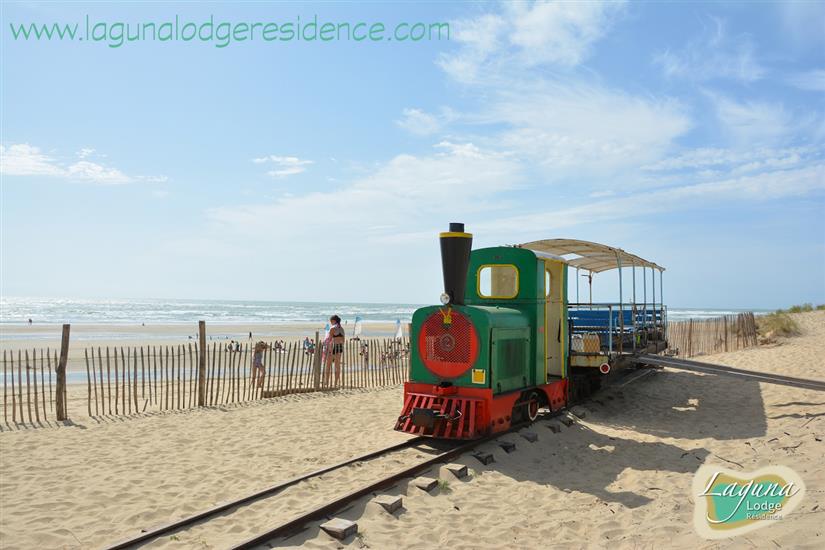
x=10 y=426
x=685 y=405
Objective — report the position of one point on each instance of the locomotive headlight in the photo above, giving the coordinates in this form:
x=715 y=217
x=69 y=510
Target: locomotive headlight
x=445 y=298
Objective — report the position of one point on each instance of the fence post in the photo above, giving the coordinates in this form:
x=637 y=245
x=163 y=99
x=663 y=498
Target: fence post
x=201 y=363
x=316 y=363
x=61 y=405
x=690 y=338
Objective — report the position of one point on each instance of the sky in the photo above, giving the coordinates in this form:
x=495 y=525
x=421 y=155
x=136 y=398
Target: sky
x=690 y=134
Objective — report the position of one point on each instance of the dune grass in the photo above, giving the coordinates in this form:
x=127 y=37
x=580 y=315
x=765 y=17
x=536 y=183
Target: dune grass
x=781 y=324
x=776 y=324
x=802 y=308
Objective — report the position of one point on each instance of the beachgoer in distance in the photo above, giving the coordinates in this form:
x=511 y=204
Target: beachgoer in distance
x=365 y=353
x=258 y=371
x=334 y=347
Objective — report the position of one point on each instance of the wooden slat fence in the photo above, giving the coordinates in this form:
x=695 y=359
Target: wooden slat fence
x=706 y=336
x=127 y=380
x=29 y=393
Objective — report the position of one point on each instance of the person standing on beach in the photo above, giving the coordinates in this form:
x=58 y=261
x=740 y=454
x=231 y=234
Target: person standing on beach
x=334 y=347
x=258 y=370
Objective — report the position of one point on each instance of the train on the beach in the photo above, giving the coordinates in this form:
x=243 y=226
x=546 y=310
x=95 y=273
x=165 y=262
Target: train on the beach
x=506 y=341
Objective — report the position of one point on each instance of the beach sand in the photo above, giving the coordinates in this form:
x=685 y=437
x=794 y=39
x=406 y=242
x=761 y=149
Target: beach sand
x=619 y=477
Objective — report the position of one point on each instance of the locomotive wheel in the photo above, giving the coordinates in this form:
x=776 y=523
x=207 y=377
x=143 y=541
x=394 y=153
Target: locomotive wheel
x=533 y=406
x=526 y=408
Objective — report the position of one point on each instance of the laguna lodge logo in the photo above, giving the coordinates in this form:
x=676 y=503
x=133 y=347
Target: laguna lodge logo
x=730 y=503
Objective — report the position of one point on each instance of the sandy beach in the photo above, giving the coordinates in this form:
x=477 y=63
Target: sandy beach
x=620 y=476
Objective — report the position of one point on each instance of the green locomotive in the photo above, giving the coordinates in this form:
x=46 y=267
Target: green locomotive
x=506 y=340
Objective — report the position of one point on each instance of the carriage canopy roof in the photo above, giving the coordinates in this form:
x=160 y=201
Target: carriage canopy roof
x=593 y=257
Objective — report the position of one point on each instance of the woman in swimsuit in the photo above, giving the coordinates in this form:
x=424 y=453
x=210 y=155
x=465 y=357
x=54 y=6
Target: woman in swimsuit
x=258 y=370
x=334 y=347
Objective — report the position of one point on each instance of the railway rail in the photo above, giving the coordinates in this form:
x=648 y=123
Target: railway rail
x=453 y=449
x=204 y=515
x=296 y=523
x=710 y=368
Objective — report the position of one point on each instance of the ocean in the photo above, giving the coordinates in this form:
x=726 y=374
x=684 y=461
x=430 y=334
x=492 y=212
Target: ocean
x=48 y=311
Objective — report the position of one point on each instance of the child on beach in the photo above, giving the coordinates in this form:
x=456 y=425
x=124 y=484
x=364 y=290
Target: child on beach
x=334 y=348
x=258 y=371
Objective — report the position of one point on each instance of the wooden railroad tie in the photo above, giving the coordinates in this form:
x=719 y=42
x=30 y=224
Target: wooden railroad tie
x=425 y=483
x=554 y=426
x=579 y=412
x=340 y=528
x=389 y=503
x=458 y=470
x=508 y=446
x=484 y=458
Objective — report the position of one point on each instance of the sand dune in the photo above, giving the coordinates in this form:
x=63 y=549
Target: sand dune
x=618 y=477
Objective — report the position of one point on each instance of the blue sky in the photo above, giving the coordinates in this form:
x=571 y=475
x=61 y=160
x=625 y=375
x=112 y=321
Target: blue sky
x=688 y=133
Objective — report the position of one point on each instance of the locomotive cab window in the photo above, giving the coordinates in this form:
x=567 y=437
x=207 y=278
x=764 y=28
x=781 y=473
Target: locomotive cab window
x=498 y=281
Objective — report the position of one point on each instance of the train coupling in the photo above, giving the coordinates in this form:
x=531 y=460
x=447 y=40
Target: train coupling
x=426 y=418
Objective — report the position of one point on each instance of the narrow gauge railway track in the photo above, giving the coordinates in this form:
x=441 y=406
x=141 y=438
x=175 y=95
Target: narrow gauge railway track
x=296 y=523
x=274 y=490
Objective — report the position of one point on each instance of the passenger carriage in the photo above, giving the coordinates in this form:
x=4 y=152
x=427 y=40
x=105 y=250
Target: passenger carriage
x=506 y=341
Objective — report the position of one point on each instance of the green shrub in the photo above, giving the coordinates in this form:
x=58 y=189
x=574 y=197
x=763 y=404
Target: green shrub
x=777 y=324
x=801 y=308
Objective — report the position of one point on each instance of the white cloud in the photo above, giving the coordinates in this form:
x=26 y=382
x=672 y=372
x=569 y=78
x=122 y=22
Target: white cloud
x=713 y=55
x=753 y=122
x=559 y=32
x=735 y=160
x=90 y=171
x=561 y=123
x=284 y=166
x=527 y=34
x=409 y=190
x=422 y=123
x=479 y=38
x=570 y=128
x=26 y=160
x=813 y=81
x=418 y=122
x=757 y=187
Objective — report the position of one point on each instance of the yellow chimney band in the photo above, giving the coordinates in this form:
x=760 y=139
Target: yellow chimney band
x=452 y=234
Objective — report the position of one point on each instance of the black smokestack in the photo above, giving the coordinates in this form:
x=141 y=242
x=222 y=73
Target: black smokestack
x=455 y=259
